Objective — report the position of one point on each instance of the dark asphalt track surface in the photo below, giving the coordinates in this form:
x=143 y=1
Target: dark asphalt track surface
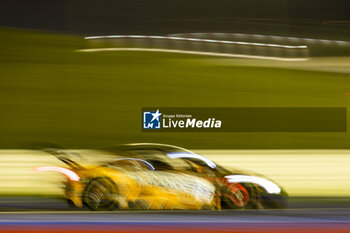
x=50 y=210
x=336 y=215
x=52 y=215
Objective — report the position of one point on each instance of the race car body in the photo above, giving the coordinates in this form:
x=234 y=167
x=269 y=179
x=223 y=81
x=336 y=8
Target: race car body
x=159 y=177
x=130 y=183
x=236 y=189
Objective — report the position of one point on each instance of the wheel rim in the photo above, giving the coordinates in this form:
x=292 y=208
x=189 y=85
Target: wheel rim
x=99 y=195
x=238 y=195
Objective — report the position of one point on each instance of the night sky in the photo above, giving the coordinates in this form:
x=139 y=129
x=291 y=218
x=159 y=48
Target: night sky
x=86 y=17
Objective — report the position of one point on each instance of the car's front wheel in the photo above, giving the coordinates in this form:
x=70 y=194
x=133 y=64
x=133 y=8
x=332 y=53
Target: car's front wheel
x=238 y=196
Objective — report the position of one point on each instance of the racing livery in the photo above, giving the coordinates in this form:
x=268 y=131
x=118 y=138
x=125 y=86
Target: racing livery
x=162 y=177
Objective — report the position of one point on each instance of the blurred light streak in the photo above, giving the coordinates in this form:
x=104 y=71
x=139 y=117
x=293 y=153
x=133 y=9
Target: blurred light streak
x=177 y=155
x=269 y=186
x=68 y=173
x=192 y=52
x=319 y=173
x=296 y=39
x=200 y=40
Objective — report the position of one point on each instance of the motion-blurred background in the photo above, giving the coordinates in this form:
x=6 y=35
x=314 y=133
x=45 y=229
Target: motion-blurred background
x=52 y=89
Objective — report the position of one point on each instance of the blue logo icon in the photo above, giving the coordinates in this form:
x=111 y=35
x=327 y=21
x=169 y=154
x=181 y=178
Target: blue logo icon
x=151 y=120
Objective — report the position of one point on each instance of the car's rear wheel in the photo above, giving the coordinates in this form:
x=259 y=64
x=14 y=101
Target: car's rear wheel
x=100 y=194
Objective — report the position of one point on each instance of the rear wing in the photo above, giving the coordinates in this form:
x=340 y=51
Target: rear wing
x=65 y=156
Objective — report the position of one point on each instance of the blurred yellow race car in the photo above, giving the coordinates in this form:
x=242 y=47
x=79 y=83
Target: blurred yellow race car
x=157 y=176
x=133 y=183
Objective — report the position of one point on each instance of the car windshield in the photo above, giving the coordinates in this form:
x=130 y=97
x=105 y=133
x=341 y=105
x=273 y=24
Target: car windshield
x=162 y=157
x=131 y=164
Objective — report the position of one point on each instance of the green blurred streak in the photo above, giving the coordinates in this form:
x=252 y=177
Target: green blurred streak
x=50 y=93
